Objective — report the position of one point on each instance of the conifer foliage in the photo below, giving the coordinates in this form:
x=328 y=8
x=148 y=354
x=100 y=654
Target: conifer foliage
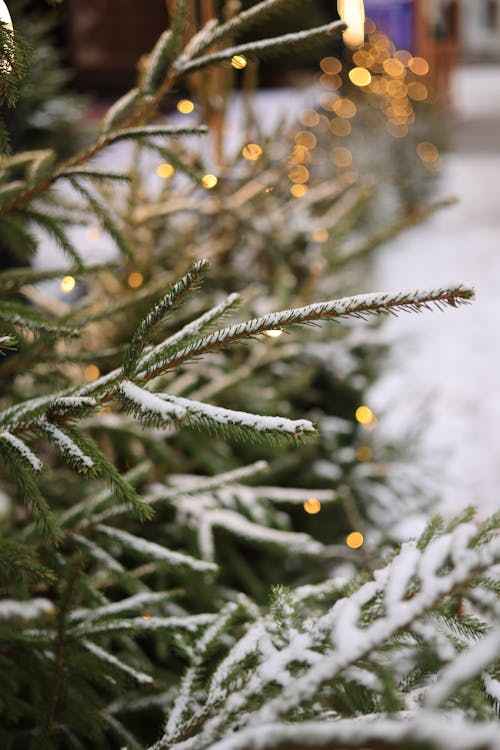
x=119 y=626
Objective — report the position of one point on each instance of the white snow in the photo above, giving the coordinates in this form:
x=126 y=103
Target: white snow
x=65 y=444
x=13 y=609
x=23 y=449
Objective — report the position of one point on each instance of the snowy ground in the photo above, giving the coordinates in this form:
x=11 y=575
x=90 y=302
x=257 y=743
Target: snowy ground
x=445 y=367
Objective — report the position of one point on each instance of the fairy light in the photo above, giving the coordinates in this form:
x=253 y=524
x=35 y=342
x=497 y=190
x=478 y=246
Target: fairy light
x=364 y=453
x=67 y=284
x=309 y=118
x=273 y=333
x=419 y=66
x=360 y=76
x=352 y=12
x=299 y=174
x=330 y=65
x=252 y=151
x=91 y=373
x=185 y=106
x=330 y=82
x=417 y=91
x=364 y=415
x=393 y=67
x=320 y=235
x=209 y=181
x=239 y=62
x=92 y=234
x=355 y=540
x=340 y=127
x=341 y=156
x=298 y=191
x=165 y=170
x=312 y=506
x=344 y=107
x=135 y=280
x=146 y=615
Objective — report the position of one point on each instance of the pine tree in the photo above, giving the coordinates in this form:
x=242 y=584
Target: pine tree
x=121 y=619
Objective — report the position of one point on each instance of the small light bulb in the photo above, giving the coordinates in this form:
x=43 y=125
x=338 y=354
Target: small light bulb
x=165 y=170
x=364 y=415
x=312 y=506
x=68 y=284
x=239 y=62
x=135 y=279
x=273 y=333
x=209 y=181
x=251 y=151
x=185 y=106
x=91 y=373
x=355 y=540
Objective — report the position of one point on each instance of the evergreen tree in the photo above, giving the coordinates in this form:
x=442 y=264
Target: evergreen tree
x=123 y=619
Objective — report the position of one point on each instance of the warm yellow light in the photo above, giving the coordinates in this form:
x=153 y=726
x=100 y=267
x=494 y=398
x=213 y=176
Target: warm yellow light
x=397 y=130
x=320 y=235
x=340 y=127
x=92 y=234
x=309 y=118
x=364 y=415
x=427 y=151
x=298 y=174
x=419 y=66
x=300 y=155
x=67 y=284
x=341 y=156
x=209 y=181
x=332 y=83
x=417 y=91
x=239 y=62
x=273 y=333
x=352 y=12
x=363 y=58
x=91 y=373
x=360 y=76
x=165 y=170
x=312 y=506
x=251 y=151
x=185 y=106
x=355 y=540
x=135 y=280
x=394 y=68
x=146 y=615
x=305 y=138
x=364 y=453
x=330 y=65
x=344 y=108
x=298 y=191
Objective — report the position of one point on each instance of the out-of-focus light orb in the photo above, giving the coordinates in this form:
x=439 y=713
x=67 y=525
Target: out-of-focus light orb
x=67 y=284
x=360 y=76
x=239 y=62
x=146 y=615
x=209 y=181
x=403 y=56
x=251 y=151
x=273 y=333
x=300 y=155
x=298 y=191
x=185 y=106
x=428 y=152
x=352 y=12
x=165 y=170
x=344 y=107
x=309 y=117
x=355 y=540
x=332 y=83
x=299 y=174
x=312 y=506
x=363 y=58
x=364 y=415
x=330 y=65
x=135 y=280
x=417 y=91
x=92 y=234
x=419 y=66
x=91 y=373
x=341 y=156
x=394 y=68
x=340 y=127
x=397 y=130
x=305 y=138
x=320 y=235
x=364 y=453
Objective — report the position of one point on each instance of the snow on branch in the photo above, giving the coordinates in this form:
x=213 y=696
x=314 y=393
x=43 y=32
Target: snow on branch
x=113 y=661
x=22 y=449
x=149 y=406
x=359 y=306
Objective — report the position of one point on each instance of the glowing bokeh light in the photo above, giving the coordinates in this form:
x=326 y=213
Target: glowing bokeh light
x=428 y=152
x=360 y=76
x=273 y=333
x=364 y=453
x=320 y=235
x=341 y=156
x=209 y=181
x=340 y=127
x=298 y=191
x=394 y=68
x=67 y=284
x=239 y=62
x=418 y=65
x=364 y=415
x=309 y=118
x=344 y=107
x=352 y=12
x=305 y=138
x=135 y=280
x=298 y=174
x=355 y=540
x=330 y=65
x=91 y=373
x=185 y=106
x=165 y=170
x=312 y=506
x=252 y=151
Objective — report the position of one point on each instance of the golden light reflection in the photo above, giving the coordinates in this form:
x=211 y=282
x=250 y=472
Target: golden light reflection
x=417 y=91
x=185 y=106
x=309 y=118
x=330 y=65
x=355 y=540
x=428 y=152
x=364 y=453
x=273 y=333
x=91 y=373
x=135 y=280
x=67 y=284
x=299 y=174
x=298 y=191
x=352 y=12
x=305 y=138
x=419 y=66
x=364 y=415
x=146 y=615
x=300 y=155
x=344 y=107
x=340 y=127
x=165 y=170
x=332 y=83
x=252 y=151
x=312 y=506
x=360 y=76
x=209 y=181
x=239 y=62
x=394 y=68
x=320 y=235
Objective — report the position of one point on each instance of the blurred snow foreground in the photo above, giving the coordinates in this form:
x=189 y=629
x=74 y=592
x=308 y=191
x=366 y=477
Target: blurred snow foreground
x=442 y=372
